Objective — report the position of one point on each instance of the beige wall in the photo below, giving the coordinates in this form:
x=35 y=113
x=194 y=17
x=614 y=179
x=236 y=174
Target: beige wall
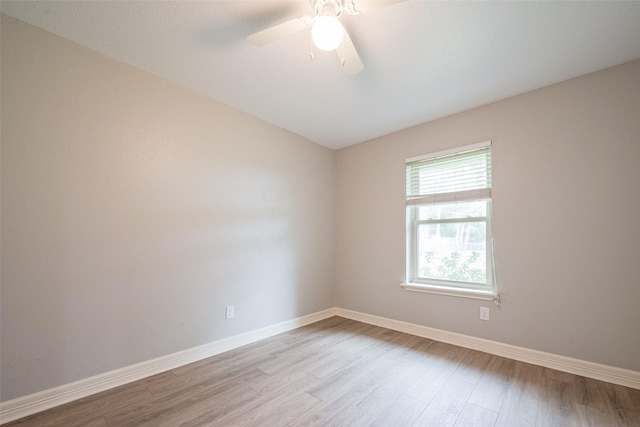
x=566 y=220
x=134 y=211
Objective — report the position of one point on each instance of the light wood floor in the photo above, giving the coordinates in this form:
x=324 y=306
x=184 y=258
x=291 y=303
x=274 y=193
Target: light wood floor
x=342 y=372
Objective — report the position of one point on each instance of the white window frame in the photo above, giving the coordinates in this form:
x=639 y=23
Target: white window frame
x=413 y=282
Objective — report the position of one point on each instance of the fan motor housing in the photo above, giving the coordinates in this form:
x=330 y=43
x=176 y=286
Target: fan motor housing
x=339 y=6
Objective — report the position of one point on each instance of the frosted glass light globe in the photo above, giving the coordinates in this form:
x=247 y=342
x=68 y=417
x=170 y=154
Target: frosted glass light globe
x=327 y=32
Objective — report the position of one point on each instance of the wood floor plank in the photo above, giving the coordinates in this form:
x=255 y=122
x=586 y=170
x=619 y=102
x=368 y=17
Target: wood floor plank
x=403 y=412
x=447 y=406
x=217 y=374
x=625 y=403
x=154 y=410
x=400 y=345
x=203 y=412
x=239 y=361
x=472 y=366
x=290 y=409
x=476 y=416
x=599 y=403
x=415 y=357
x=494 y=383
x=273 y=383
x=343 y=372
x=444 y=362
x=279 y=407
x=375 y=402
x=302 y=356
x=317 y=348
x=520 y=404
x=85 y=410
x=557 y=404
x=338 y=400
x=343 y=357
x=591 y=393
x=313 y=340
x=342 y=381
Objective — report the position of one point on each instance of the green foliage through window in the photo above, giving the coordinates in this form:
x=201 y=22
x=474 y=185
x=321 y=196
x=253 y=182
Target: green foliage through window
x=455 y=266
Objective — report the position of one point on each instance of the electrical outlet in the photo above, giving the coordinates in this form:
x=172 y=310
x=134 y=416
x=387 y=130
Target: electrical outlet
x=230 y=313
x=484 y=313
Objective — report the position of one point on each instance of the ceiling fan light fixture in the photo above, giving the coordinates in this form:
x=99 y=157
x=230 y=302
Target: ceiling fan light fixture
x=327 y=32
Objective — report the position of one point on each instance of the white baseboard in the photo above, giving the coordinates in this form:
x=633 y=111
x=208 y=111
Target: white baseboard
x=611 y=374
x=37 y=402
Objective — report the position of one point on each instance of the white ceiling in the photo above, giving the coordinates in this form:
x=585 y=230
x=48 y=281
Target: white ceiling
x=423 y=60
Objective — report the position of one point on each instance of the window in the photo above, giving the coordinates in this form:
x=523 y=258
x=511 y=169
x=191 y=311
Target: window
x=449 y=245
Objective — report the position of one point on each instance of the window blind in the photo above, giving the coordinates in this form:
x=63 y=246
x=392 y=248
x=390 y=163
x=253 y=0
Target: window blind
x=464 y=175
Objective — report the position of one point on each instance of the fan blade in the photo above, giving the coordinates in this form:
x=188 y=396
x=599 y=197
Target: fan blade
x=367 y=5
x=350 y=59
x=279 y=31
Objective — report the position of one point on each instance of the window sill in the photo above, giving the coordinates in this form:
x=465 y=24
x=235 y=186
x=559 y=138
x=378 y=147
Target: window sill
x=441 y=290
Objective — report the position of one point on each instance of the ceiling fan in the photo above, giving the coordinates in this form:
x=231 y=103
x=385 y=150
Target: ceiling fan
x=327 y=31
